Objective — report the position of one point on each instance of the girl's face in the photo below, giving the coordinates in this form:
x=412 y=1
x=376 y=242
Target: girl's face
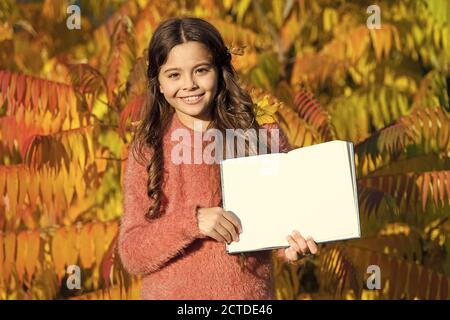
x=188 y=81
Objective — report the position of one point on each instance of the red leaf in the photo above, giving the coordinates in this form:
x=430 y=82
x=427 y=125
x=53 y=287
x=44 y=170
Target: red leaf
x=20 y=87
x=413 y=281
x=443 y=292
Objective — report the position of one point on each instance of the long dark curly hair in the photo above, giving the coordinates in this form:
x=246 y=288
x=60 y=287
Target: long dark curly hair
x=232 y=106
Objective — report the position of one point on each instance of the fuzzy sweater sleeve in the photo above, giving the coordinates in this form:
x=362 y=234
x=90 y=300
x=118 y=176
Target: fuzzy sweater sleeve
x=144 y=246
x=284 y=146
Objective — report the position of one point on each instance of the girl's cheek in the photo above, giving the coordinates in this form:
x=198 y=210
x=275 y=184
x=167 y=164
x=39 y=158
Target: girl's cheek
x=209 y=83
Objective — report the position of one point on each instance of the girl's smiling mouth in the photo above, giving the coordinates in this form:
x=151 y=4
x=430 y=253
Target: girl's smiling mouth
x=192 y=99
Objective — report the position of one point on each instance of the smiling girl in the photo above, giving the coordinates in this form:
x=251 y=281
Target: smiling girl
x=173 y=229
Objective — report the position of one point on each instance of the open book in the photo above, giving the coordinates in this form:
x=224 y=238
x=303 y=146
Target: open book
x=310 y=189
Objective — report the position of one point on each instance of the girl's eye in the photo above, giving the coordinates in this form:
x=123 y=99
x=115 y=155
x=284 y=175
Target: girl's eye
x=202 y=70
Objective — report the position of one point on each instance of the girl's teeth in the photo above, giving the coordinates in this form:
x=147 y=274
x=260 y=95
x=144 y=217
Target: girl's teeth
x=192 y=99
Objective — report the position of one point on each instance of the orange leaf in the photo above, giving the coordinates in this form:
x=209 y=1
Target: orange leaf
x=27 y=100
x=53 y=99
x=10 y=251
x=45 y=88
x=447 y=184
x=31 y=261
x=72 y=242
x=33 y=187
x=3 y=173
x=2 y=258
x=12 y=91
x=35 y=92
x=23 y=185
x=6 y=76
x=12 y=186
x=111 y=231
x=22 y=248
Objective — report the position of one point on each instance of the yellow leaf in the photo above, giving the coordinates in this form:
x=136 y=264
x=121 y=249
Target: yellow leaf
x=59 y=252
x=241 y=9
x=89 y=142
x=388 y=41
x=68 y=185
x=375 y=35
x=60 y=204
x=80 y=186
x=46 y=191
x=111 y=231
x=86 y=246
x=329 y=18
x=278 y=7
x=98 y=233
x=80 y=150
x=264 y=118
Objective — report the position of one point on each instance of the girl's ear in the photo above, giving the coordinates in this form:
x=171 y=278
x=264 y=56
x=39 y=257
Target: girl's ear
x=160 y=89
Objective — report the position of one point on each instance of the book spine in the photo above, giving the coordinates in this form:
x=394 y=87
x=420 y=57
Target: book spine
x=352 y=154
x=223 y=195
x=222 y=185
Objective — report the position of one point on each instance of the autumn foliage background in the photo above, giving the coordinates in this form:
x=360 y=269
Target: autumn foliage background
x=70 y=100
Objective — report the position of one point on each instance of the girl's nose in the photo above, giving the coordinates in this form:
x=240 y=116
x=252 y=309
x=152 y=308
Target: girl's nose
x=189 y=83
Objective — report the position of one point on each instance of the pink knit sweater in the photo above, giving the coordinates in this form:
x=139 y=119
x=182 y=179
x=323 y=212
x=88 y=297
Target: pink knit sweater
x=174 y=259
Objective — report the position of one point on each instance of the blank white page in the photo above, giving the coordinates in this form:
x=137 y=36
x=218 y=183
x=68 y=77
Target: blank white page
x=251 y=190
x=310 y=189
x=320 y=179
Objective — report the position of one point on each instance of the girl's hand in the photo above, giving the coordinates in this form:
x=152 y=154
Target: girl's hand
x=219 y=224
x=299 y=246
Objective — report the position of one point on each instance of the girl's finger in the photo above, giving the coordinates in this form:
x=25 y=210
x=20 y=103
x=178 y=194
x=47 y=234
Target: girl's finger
x=217 y=236
x=231 y=228
x=224 y=233
x=294 y=245
x=301 y=242
x=291 y=254
x=312 y=245
x=230 y=216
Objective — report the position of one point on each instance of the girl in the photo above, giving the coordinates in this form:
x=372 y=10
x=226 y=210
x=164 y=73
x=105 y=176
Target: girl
x=173 y=229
